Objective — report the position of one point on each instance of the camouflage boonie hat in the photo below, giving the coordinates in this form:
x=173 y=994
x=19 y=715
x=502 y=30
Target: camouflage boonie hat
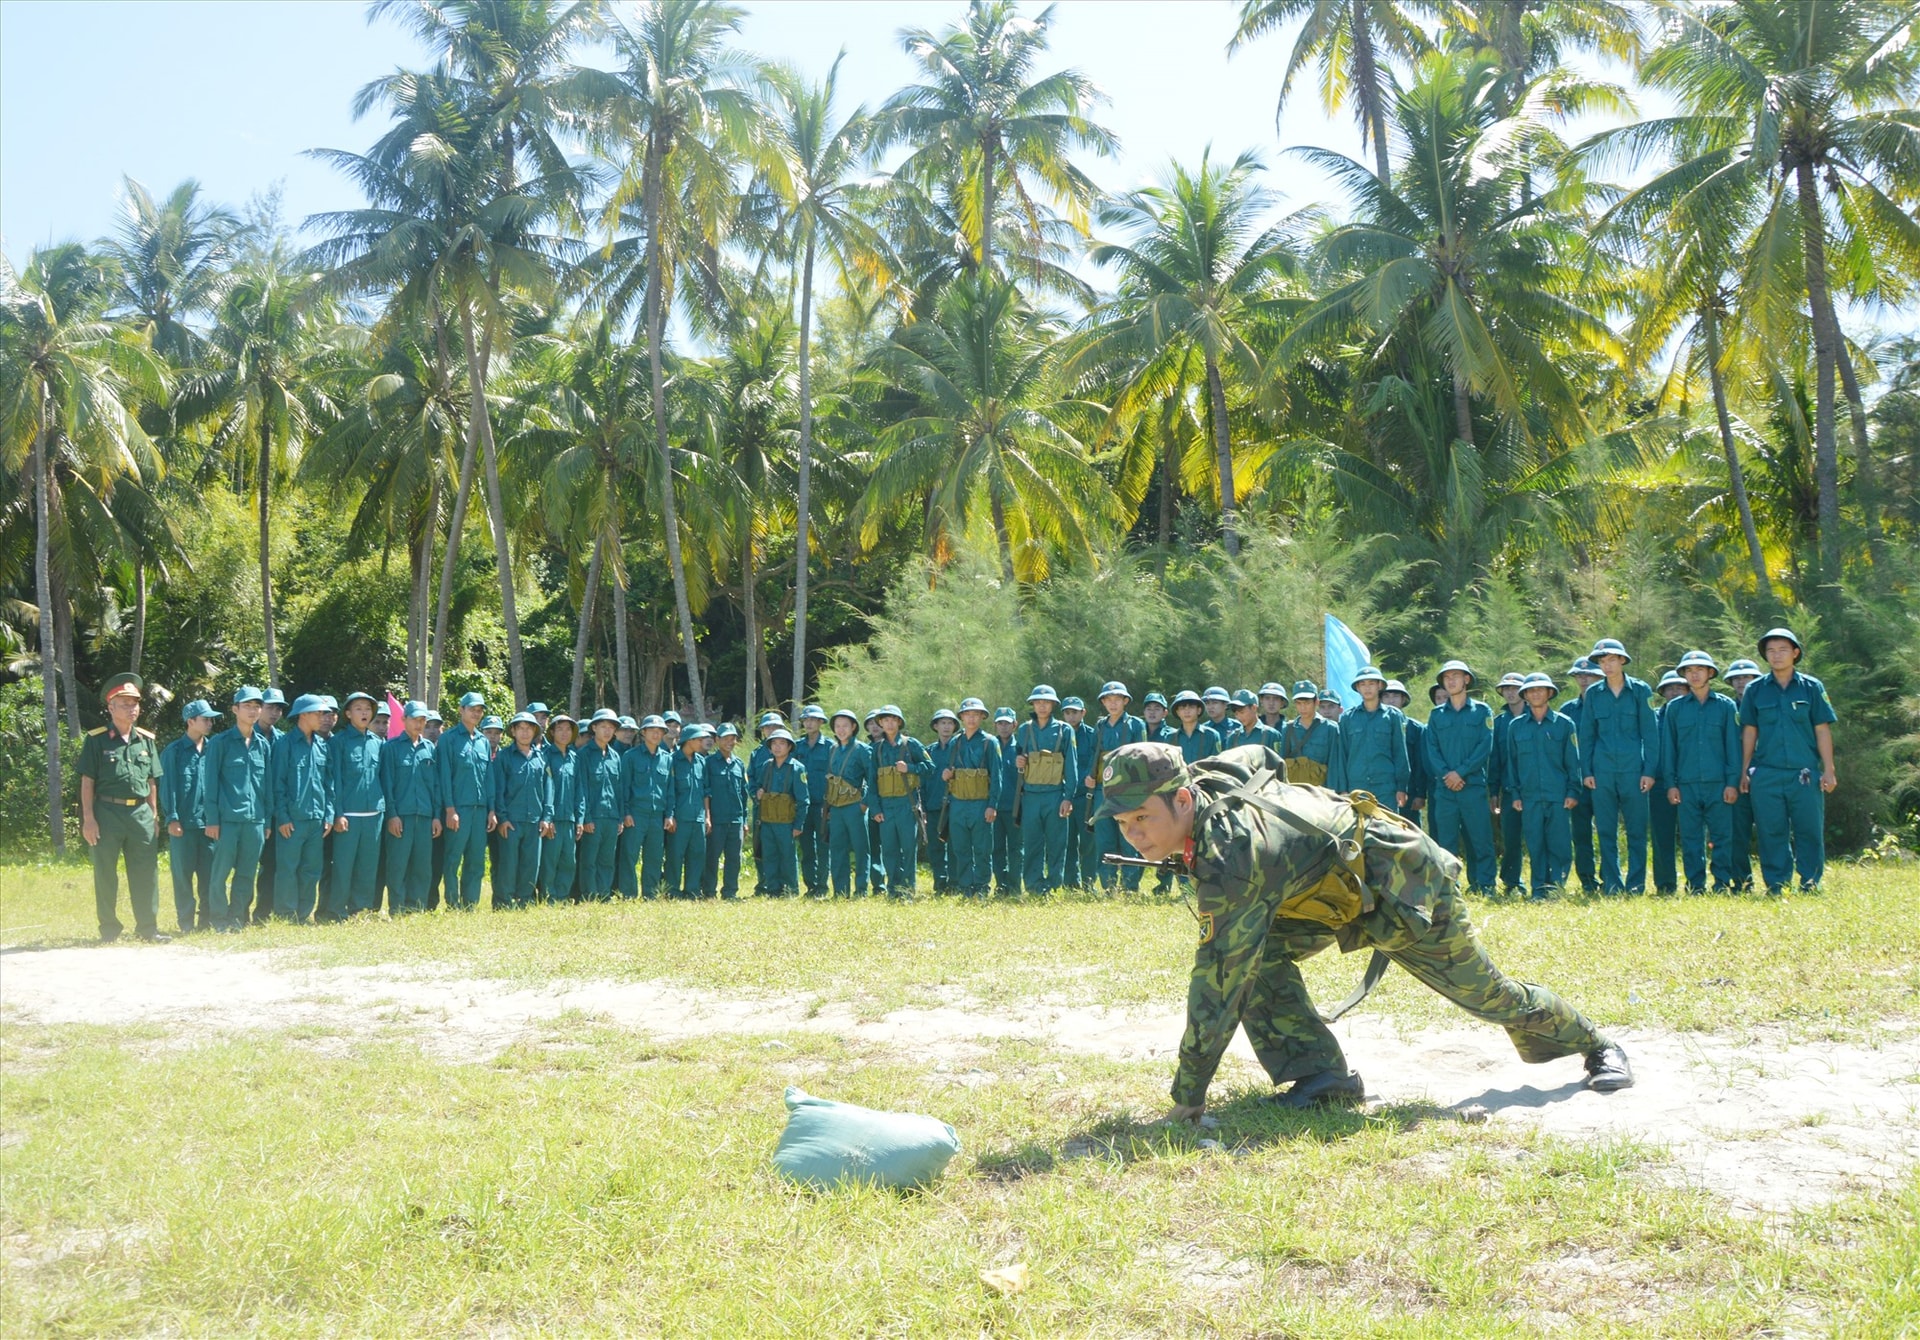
x=1134 y=772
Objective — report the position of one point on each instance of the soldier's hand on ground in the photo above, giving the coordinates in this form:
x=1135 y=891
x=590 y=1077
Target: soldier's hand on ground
x=286 y=830
x=175 y=829
x=1187 y=1113
x=90 y=831
x=1066 y=809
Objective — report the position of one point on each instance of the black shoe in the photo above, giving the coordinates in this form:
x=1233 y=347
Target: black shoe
x=155 y=938
x=108 y=937
x=1329 y=1088
x=1607 y=1069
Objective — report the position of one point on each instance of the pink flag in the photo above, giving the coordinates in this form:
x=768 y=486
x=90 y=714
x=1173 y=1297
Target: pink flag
x=396 y=725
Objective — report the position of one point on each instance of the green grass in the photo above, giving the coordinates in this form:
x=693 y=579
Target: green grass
x=1826 y=966
x=593 y=1181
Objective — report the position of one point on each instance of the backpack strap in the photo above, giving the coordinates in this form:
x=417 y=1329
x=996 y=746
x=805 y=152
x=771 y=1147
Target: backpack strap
x=1343 y=853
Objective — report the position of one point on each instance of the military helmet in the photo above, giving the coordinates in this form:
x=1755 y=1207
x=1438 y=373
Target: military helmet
x=1365 y=673
x=1113 y=686
x=671 y=717
x=972 y=705
x=768 y=720
x=943 y=714
x=1461 y=666
x=604 y=714
x=433 y=716
x=1005 y=714
x=699 y=730
x=305 y=703
x=1539 y=679
x=488 y=722
x=1216 y=694
x=329 y=703
x=1693 y=658
x=1329 y=696
x=1185 y=696
x=1742 y=669
x=1585 y=666
x=358 y=697
x=1273 y=690
x=1435 y=693
x=1043 y=693
x=872 y=712
x=1772 y=633
x=559 y=717
x=891 y=710
x=653 y=721
x=1673 y=679
x=1072 y=703
x=472 y=700
x=728 y=731
x=196 y=709
x=1395 y=686
x=780 y=733
x=1609 y=646
x=274 y=698
x=1245 y=698
x=1513 y=679
x=533 y=709
x=1305 y=688
x=523 y=719
x=414 y=710
x=813 y=712
x=246 y=693
x=1154 y=699
x=1134 y=773
x=626 y=723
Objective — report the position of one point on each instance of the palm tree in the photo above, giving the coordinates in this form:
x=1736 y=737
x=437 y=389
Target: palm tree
x=990 y=438
x=1461 y=258
x=261 y=391
x=71 y=385
x=1197 y=272
x=1778 y=97
x=981 y=124
x=811 y=166
x=172 y=260
x=1352 y=40
x=685 y=105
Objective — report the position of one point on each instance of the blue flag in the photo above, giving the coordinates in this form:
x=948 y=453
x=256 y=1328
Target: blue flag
x=1346 y=654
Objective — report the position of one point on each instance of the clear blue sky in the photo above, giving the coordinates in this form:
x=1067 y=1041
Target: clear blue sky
x=233 y=93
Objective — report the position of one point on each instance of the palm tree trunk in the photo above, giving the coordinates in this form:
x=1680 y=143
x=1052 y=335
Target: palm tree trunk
x=669 y=507
x=987 y=166
x=43 y=591
x=1222 y=456
x=266 y=550
x=1366 y=79
x=1710 y=327
x=139 y=617
x=1826 y=454
x=1462 y=410
x=1167 y=492
x=502 y=555
x=586 y=625
x=443 y=604
x=1864 y=482
x=63 y=648
x=801 y=555
x=422 y=585
x=622 y=653
x=1001 y=535
x=755 y=654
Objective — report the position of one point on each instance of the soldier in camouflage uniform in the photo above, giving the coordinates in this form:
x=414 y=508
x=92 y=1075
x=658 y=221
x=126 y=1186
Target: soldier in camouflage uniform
x=1234 y=824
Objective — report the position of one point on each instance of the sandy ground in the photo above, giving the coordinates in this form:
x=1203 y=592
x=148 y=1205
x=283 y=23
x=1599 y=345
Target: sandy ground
x=1771 y=1125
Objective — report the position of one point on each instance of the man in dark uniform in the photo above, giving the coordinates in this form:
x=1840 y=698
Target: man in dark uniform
x=182 y=791
x=119 y=813
x=1585 y=675
x=273 y=707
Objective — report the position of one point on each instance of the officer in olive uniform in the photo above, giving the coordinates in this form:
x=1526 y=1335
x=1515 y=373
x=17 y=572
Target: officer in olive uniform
x=1585 y=674
x=1078 y=873
x=182 y=792
x=1116 y=727
x=811 y=751
x=119 y=812
x=1663 y=815
x=1700 y=752
x=1261 y=876
x=1786 y=726
x=1740 y=674
x=728 y=798
x=1459 y=742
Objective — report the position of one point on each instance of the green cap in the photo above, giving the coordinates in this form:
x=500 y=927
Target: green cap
x=1134 y=772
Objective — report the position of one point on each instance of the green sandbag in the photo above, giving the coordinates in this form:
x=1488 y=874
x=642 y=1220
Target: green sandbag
x=828 y=1144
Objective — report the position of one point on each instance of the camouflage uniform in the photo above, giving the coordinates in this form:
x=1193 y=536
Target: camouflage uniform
x=1247 y=861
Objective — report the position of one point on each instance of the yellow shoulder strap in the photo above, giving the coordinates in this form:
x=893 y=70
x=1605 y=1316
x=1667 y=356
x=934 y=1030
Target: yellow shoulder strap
x=98 y=730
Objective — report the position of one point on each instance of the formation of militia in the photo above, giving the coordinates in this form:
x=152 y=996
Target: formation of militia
x=321 y=810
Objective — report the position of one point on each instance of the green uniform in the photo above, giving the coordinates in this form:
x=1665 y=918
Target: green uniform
x=1006 y=827
x=302 y=803
x=237 y=802
x=353 y=768
x=1619 y=745
x=1509 y=834
x=1789 y=808
x=559 y=854
x=1313 y=753
x=1248 y=860
x=410 y=785
x=1043 y=831
x=1663 y=821
x=1109 y=735
x=189 y=856
x=1373 y=753
x=647 y=785
x=933 y=796
x=687 y=843
x=975 y=789
x=848 y=792
x=463 y=757
x=729 y=797
x=781 y=806
x=1460 y=740
x=1081 y=846
x=124 y=769
x=1542 y=770
x=811 y=753
x=598 y=775
x=898 y=811
x=1582 y=815
x=521 y=800
x=1701 y=758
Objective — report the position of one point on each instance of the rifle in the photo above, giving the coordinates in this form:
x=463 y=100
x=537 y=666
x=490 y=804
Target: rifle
x=1019 y=778
x=1171 y=864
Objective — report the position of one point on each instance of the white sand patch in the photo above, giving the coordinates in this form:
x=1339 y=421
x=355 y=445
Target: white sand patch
x=1770 y=1124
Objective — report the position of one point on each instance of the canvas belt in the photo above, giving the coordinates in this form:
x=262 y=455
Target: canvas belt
x=1046 y=767
x=970 y=784
x=777 y=808
x=892 y=784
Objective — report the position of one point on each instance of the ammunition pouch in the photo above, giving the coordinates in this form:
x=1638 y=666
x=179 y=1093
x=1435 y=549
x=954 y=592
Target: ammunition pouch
x=893 y=784
x=1306 y=772
x=841 y=792
x=970 y=784
x=1046 y=767
x=777 y=807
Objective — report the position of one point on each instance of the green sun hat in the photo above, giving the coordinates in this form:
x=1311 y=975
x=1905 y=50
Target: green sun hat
x=1133 y=773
